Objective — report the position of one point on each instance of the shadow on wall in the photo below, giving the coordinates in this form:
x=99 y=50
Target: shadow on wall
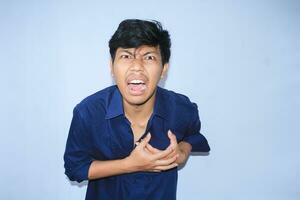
x=75 y=183
x=193 y=154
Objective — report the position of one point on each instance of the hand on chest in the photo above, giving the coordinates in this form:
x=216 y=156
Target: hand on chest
x=124 y=134
x=119 y=137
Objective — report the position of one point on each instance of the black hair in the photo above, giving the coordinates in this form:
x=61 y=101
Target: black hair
x=132 y=33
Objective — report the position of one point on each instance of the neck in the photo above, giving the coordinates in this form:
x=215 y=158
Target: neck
x=139 y=113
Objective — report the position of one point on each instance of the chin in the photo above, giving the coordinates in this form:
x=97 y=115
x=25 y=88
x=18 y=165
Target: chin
x=137 y=100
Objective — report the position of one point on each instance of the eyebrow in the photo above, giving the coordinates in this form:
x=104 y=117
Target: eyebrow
x=132 y=54
x=126 y=51
x=149 y=52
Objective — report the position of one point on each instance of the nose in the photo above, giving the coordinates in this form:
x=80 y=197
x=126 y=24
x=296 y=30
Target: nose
x=137 y=64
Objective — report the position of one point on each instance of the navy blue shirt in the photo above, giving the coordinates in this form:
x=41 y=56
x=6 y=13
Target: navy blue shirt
x=100 y=131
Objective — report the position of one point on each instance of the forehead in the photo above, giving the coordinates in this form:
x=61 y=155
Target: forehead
x=140 y=50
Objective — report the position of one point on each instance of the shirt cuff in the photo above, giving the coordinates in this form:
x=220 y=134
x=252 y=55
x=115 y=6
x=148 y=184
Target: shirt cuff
x=81 y=173
x=198 y=142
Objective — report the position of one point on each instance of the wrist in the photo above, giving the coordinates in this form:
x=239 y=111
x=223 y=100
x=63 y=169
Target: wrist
x=185 y=147
x=127 y=165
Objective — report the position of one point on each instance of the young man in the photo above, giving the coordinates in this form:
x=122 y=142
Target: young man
x=128 y=139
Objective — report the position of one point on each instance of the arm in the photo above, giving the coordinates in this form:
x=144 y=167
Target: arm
x=185 y=149
x=193 y=135
x=80 y=165
x=100 y=169
x=139 y=160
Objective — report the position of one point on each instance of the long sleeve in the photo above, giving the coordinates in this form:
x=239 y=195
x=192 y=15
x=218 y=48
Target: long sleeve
x=76 y=157
x=193 y=135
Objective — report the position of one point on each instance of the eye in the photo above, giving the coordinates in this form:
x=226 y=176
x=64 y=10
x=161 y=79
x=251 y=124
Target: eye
x=150 y=57
x=125 y=56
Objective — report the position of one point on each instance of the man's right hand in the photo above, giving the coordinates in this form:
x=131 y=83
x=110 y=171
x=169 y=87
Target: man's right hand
x=141 y=159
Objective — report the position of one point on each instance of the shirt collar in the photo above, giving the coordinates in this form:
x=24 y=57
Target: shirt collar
x=115 y=104
x=160 y=105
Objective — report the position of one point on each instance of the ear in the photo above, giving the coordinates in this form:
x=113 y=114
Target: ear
x=111 y=67
x=165 y=70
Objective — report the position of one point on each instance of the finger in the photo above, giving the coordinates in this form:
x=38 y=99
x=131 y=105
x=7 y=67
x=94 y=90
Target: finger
x=173 y=153
x=145 y=141
x=156 y=170
x=163 y=153
x=166 y=162
x=173 y=139
x=170 y=155
x=153 y=170
x=152 y=149
x=163 y=168
x=172 y=136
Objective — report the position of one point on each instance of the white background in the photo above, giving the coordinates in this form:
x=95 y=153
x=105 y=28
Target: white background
x=238 y=60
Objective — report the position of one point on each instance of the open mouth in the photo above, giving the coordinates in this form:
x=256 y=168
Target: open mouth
x=136 y=86
x=136 y=82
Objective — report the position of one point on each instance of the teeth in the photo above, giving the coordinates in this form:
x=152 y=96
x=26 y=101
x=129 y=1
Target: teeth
x=136 y=81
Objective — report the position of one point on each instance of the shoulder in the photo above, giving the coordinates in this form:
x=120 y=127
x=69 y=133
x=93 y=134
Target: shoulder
x=177 y=100
x=181 y=111
x=95 y=103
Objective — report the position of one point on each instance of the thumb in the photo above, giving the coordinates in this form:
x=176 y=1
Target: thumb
x=145 y=141
x=172 y=137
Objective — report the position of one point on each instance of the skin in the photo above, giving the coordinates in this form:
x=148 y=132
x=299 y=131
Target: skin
x=144 y=63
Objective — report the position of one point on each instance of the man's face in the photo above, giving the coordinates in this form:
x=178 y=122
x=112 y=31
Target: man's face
x=137 y=72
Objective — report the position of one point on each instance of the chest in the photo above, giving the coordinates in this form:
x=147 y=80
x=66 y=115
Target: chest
x=138 y=130
x=116 y=138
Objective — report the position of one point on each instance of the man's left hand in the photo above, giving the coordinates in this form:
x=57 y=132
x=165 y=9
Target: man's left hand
x=182 y=149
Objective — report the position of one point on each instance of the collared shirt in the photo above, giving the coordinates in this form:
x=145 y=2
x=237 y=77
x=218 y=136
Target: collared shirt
x=100 y=131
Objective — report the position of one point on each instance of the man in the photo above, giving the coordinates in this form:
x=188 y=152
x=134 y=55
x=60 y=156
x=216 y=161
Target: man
x=128 y=139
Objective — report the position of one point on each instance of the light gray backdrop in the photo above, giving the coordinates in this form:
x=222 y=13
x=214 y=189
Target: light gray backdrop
x=238 y=60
